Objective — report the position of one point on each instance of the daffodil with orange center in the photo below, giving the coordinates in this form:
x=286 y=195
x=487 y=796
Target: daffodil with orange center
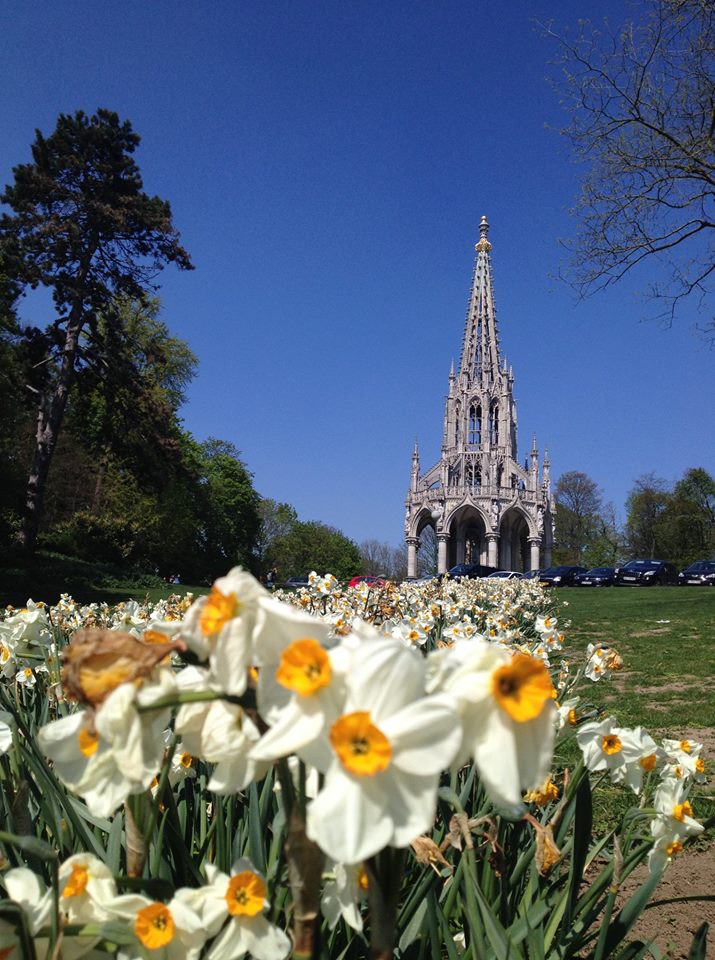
x=219 y=628
x=673 y=824
x=233 y=911
x=508 y=716
x=162 y=931
x=301 y=684
x=387 y=748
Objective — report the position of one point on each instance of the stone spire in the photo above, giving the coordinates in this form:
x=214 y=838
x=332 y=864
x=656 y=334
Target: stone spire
x=484 y=506
x=480 y=347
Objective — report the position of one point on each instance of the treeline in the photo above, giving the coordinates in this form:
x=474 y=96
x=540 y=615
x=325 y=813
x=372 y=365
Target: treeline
x=94 y=460
x=666 y=523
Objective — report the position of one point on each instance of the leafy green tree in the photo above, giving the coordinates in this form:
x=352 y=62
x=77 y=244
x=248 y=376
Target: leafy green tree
x=579 y=522
x=645 y=506
x=127 y=400
x=277 y=520
x=687 y=524
x=229 y=511
x=641 y=124
x=315 y=546
x=82 y=226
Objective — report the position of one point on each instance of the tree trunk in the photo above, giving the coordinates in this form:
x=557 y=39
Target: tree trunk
x=49 y=421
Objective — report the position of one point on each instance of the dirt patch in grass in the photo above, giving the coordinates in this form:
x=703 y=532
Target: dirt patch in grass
x=673 y=925
x=652 y=633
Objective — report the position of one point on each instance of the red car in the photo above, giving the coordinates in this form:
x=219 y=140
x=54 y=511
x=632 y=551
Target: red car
x=370 y=581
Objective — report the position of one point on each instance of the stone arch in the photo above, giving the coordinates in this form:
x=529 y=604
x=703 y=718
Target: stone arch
x=467 y=527
x=423 y=518
x=515 y=529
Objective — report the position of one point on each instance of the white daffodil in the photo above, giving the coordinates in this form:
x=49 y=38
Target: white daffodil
x=641 y=755
x=315 y=680
x=218 y=628
x=5 y=737
x=240 y=899
x=221 y=733
x=87 y=889
x=388 y=749
x=279 y=626
x=602 y=747
x=343 y=894
x=107 y=755
x=673 y=823
x=684 y=760
x=507 y=710
x=601 y=661
x=159 y=931
x=27 y=889
x=566 y=713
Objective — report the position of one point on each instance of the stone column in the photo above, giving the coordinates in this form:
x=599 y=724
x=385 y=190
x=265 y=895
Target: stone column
x=442 y=541
x=412 y=546
x=534 y=545
x=492 y=549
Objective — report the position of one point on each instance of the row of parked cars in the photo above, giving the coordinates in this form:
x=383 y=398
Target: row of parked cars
x=635 y=573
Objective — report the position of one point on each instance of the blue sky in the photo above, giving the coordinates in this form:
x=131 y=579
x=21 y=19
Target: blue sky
x=327 y=165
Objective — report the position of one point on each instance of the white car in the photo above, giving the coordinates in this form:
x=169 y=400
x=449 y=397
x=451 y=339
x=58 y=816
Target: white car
x=505 y=575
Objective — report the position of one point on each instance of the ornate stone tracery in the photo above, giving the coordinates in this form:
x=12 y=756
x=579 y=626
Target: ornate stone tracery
x=484 y=505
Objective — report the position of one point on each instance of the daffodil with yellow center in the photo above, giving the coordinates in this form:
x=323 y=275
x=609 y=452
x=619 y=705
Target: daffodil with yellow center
x=508 y=716
x=232 y=911
x=522 y=687
x=304 y=667
x=218 y=611
x=246 y=894
x=611 y=744
x=301 y=684
x=387 y=748
x=77 y=882
x=154 y=926
x=219 y=628
x=362 y=748
x=88 y=741
x=682 y=810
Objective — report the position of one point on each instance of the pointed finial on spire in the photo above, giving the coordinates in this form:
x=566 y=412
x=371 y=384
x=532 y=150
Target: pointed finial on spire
x=451 y=370
x=533 y=444
x=415 y=452
x=484 y=245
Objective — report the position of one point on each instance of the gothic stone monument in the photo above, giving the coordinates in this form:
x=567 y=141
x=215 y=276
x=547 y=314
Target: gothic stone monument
x=485 y=506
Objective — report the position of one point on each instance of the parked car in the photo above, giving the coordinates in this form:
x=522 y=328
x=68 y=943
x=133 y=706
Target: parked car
x=698 y=574
x=560 y=576
x=505 y=575
x=470 y=570
x=598 y=577
x=295 y=583
x=369 y=580
x=533 y=574
x=645 y=573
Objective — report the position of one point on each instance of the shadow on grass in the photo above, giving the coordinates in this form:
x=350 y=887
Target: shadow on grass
x=45 y=576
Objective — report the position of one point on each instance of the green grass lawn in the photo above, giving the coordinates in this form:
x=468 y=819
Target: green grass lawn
x=666 y=636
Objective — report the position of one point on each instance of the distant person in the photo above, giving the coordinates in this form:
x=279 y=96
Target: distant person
x=271 y=578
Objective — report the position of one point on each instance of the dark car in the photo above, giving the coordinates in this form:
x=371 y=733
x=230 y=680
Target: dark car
x=470 y=570
x=560 y=576
x=533 y=574
x=598 y=577
x=646 y=573
x=698 y=574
